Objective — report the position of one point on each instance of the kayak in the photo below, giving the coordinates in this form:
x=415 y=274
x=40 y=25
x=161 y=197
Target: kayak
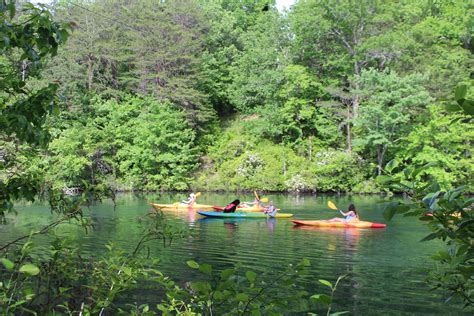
x=243 y=209
x=181 y=206
x=323 y=223
x=242 y=215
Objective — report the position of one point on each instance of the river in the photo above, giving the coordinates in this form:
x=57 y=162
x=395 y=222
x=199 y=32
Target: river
x=386 y=267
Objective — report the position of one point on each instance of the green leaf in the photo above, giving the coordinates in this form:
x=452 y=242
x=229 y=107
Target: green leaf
x=468 y=107
x=203 y=287
x=431 y=236
x=225 y=274
x=242 y=297
x=192 y=264
x=256 y=312
x=321 y=298
x=465 y=223
x=441 y=255
x=205 y=268
x=460 y=92
x=218 y=295
x=383 y=179
x=327 y=283
x=7 y=263
x=390 y=210
x=251 y=276
x=453 y=107
x=392 y=164
x=127 y=271
x=30 y=269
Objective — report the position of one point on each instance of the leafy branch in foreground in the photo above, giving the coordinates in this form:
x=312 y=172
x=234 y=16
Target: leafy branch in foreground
x=63 y=280
x=449 y=214
x=27 y=39
x=235 y=292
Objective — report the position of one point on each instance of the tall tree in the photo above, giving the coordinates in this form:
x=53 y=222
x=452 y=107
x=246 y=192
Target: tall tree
x=27 y=40
x=391 y=106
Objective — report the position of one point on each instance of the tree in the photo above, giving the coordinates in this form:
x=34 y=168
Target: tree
x=257 y=70
x=442 y=144
x=390 y=108
x=27 y=40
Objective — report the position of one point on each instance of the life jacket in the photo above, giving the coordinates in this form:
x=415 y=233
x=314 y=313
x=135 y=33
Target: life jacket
x=230 y=208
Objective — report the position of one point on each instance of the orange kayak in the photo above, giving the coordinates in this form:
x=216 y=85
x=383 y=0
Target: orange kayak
x=324 y=223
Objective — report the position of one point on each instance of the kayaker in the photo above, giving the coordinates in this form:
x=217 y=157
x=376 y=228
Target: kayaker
x=350 y=215
x=191 y=199
x=271 y=210
x=231 y=207
x=256 y=203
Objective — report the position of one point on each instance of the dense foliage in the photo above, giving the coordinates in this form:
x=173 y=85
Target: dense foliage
x=449 y=212
x=307 y=93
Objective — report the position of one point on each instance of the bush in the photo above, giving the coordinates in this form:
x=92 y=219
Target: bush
x=142 y=143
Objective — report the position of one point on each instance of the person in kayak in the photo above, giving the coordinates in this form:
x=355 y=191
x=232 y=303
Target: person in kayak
x=256 y=203
x=350 y=216
x=231 y=207
x=271 y=210
x=191 y=199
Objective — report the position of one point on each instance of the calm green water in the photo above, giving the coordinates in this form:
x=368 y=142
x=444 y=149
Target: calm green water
x=387 y=267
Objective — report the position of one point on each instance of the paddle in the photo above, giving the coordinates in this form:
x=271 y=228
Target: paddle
x=333 y=206
x=264 y=200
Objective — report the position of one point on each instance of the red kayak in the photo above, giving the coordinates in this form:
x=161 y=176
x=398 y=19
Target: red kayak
x=324 y=223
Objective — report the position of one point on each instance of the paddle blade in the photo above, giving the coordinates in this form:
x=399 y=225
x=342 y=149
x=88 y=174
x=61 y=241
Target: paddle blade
x=332 y=206
x=264 y=200
x=197 y=194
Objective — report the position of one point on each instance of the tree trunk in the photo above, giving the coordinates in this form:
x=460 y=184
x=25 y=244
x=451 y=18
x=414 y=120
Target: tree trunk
x=90 y=72
x=355 y=106
x=349 y=142
x=381 y=150
x=348 y=128
x=23 y=70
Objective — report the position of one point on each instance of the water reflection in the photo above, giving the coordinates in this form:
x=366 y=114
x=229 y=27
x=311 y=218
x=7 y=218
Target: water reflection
x=189 y=215
x=334 y=236
x=271 y=224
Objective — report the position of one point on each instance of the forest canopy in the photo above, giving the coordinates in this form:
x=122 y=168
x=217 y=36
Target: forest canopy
x=236 y=95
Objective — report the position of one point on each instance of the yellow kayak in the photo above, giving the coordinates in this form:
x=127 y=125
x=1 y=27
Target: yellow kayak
x=181 y=206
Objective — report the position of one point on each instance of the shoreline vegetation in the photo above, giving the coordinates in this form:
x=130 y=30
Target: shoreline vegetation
x=243 y=98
